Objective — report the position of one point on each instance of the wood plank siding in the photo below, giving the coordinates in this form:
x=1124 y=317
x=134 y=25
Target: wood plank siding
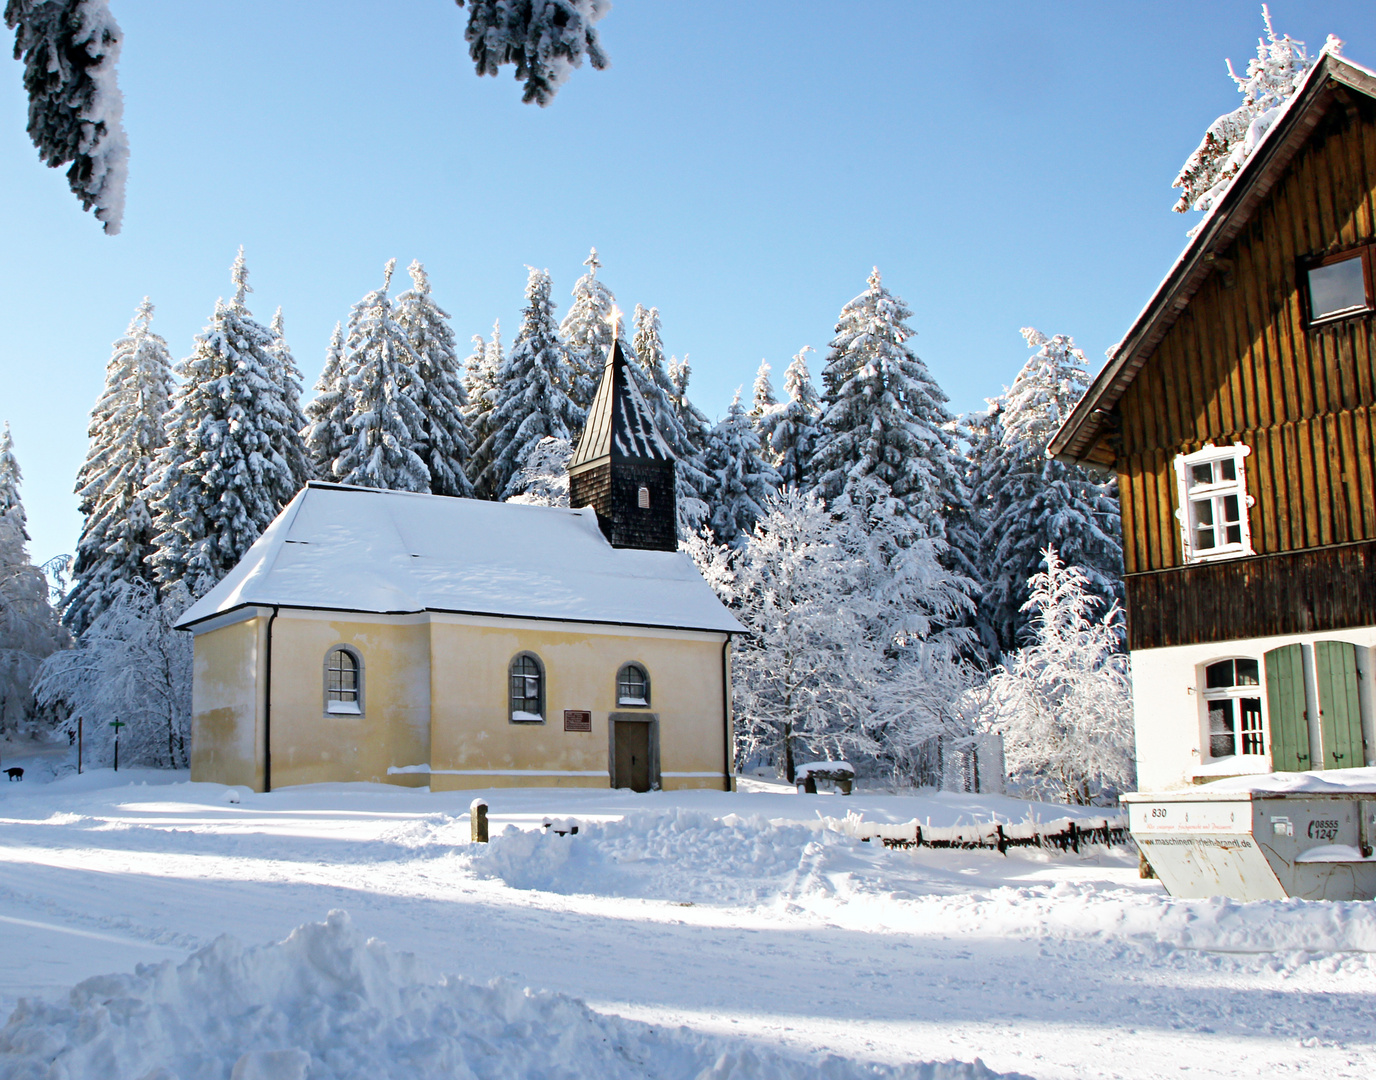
x=1292 y=592
x=1239 y=364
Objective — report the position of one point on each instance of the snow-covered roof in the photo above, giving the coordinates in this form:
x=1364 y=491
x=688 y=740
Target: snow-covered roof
x=1079 y=435
x=620 y=422
x=342 y=548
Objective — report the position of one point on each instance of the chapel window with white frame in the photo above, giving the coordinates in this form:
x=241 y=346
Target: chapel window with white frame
x=1214 y=502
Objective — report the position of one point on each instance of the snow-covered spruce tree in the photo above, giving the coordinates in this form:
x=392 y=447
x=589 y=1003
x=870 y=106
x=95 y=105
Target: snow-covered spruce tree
x=130 y=665
x=530 y=400
x=545 y=39
x=981 y=436
x=127 y=432
x=693 y=419
x=29 y=627
x=387 y=424
x=657 y=387
x=286 y=377
x=915 y=599
x=1272 y=77
x=11 y=504
x=805 y=672
x=791 y=430
x=1030 y=502
x=587 y=333
x=1063 y=702
x=884 y=415
x=222 y=477
x=482 y=374
x=762 y=399
x=543 y=478
x=446 y=443
x=327 y=414
x=739 y=480
x=70 y=49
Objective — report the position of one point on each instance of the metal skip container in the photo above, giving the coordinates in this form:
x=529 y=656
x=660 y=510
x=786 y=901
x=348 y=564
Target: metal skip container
x=1262 y=838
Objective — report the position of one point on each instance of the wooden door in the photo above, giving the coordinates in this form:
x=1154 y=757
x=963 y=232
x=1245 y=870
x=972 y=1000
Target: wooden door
x=1286 y=709
x=633 y=755
x=1340 y=716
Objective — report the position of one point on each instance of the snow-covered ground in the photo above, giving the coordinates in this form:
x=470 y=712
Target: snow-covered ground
x=742 y=917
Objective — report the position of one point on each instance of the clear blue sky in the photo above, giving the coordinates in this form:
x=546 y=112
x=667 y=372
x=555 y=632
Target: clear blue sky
x=741 y=166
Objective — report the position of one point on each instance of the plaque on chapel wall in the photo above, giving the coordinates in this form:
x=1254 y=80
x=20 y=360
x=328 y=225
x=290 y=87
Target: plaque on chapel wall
x=577 y=720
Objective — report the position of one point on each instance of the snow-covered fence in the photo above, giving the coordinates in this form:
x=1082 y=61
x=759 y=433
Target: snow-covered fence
x=1065 y=834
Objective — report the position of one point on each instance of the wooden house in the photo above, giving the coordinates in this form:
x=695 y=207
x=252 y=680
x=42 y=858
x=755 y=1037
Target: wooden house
x=1239 y=413
x=413 y=639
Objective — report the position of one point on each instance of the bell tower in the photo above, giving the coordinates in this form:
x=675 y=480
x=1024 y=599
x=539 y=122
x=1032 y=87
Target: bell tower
x=622 y=468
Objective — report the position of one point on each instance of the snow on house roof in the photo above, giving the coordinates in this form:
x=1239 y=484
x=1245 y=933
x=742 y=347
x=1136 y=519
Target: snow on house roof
x=1081 y=432
x=620 y=423
x=342 y=548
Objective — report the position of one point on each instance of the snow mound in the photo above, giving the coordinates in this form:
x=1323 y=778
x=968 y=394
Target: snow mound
x=680 y=855
x=326 y=1004
x=1316 y=782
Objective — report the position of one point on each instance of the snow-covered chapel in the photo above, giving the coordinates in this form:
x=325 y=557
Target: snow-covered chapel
x=390 y=636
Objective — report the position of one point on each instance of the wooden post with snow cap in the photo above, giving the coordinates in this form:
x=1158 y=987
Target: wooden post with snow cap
x=477 y=814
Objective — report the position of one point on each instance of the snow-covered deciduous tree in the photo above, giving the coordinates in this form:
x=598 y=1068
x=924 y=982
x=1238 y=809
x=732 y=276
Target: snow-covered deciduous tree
x=657 y=387
x=132 y=666
x=446 y=444
x=531 y=403
x=127 y=432
x=69 y=49
x=286 y=377
x=545 y=39
x=1271 y=78
x=222 y=476
x=1063 y=702
x=805 y=673
x=1030 y=503
x=482 y=375
x=327 y=414
x=29 y=627
x=587 y=333
x=543 y=478
x=884 y=415
x=739 y=480
x=387 y=425
x=791 y=430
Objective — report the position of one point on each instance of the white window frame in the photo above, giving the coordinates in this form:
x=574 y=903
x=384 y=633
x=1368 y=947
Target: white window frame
x=1190 y=495
x=1236 y=693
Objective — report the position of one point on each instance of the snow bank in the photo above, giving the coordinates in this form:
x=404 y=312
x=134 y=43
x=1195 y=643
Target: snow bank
x=325 y=1003
x=677 y=855
x=1318 y=782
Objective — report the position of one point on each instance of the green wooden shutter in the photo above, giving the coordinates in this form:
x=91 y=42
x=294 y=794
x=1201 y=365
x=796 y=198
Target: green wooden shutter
x=1340 y=716
x=1286 y=709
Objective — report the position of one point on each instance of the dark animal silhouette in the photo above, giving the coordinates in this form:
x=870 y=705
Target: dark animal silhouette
x=15 y=773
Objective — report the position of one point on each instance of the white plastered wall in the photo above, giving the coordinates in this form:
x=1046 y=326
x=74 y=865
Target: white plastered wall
x=1171 y=721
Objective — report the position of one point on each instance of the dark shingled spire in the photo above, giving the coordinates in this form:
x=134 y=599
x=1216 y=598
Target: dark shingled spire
x=622 y=468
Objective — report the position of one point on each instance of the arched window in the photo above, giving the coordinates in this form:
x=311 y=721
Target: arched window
x=527 y=689
x=642 y=497
x=1232 y=695
x=343 y=681
x=632 y=685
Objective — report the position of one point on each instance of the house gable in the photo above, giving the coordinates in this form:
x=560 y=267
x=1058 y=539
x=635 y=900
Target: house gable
x=1240 y=364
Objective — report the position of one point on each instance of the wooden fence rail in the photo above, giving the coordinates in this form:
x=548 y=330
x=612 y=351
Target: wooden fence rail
x=1067 y=834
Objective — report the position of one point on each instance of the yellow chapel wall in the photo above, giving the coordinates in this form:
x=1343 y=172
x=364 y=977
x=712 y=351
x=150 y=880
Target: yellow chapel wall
x=226 y=736
x=310 y=745
x=435 y=693
x=475 y=745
